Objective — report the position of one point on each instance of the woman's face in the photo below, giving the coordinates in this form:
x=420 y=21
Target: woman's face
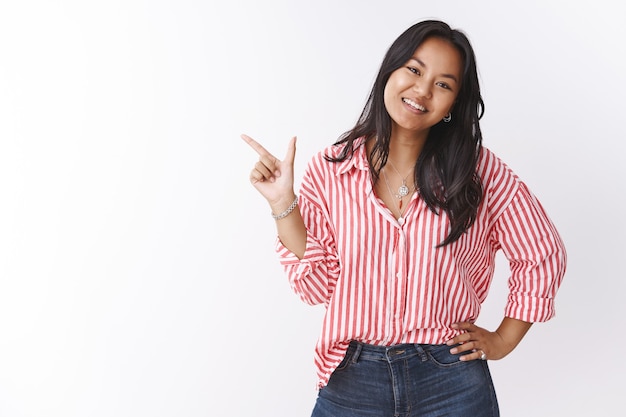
x=420 y=93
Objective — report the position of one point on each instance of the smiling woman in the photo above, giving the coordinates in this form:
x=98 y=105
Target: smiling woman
x=417 y=96
x=137 y=267
x=403 y=258
x=430 y=77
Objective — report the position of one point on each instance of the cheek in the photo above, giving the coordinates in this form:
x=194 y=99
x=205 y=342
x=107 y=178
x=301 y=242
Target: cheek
x=387 y=99
x=450 y=106
x=392 y=90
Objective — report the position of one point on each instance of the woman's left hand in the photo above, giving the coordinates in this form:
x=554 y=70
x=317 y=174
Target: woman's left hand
x=477 y=343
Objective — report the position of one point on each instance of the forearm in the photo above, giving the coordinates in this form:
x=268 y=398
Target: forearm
x=511 y=332
x=290 y=228
x=495 y=345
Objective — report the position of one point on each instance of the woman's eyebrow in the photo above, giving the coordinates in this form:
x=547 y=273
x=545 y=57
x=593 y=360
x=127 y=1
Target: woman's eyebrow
x=419 y=61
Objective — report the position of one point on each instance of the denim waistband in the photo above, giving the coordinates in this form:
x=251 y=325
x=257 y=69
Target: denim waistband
x=363 y=351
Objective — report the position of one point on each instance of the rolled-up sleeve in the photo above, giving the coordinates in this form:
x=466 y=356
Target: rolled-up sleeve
x=536 y=256
x=312 y=278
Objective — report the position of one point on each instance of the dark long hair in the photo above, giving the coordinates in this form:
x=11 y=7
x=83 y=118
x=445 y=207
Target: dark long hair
x=445 y=171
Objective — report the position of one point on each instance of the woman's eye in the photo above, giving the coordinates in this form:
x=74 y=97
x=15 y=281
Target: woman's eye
x=413 y=70
x=444 y=85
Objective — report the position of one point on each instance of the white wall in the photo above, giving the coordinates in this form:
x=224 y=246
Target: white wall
x=137 y=266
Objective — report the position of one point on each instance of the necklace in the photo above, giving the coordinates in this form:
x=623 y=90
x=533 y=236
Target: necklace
x=403 y=190
x=398 y=204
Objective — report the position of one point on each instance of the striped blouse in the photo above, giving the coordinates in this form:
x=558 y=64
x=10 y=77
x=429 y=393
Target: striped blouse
x=386 y=283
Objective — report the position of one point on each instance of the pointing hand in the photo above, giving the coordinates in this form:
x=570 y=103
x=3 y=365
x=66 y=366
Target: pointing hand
x=272 y=177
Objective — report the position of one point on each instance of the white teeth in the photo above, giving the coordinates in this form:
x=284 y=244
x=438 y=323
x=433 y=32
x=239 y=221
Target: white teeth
x=414 y=104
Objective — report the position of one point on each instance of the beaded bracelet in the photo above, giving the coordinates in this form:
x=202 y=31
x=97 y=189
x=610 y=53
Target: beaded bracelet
x=286 y=212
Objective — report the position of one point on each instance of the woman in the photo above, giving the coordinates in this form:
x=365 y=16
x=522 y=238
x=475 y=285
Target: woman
x=395 y=231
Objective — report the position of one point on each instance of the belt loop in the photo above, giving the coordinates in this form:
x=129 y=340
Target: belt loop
x=357 y=352
x=421 y=352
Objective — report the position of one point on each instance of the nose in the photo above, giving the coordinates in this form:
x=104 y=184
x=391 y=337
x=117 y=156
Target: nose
x=422 y=88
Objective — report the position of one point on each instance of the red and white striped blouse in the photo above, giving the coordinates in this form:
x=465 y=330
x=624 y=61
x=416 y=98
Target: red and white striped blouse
x=384 y=283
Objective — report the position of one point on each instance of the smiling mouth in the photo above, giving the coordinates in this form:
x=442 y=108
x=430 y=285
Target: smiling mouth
x=414 y=104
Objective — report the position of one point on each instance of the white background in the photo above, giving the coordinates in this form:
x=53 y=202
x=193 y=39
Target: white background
x=137 y=267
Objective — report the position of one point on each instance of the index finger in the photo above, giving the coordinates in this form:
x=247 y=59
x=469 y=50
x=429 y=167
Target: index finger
x=255 y=145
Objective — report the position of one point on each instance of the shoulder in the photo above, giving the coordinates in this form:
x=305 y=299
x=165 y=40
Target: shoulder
x=322 y=162
x=330 y=151
x=493 y=170
x=500 y=183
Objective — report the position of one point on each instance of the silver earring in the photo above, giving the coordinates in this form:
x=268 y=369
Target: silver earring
x=447 y=118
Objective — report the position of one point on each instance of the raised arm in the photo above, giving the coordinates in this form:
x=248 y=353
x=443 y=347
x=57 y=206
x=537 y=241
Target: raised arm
x=273 y=178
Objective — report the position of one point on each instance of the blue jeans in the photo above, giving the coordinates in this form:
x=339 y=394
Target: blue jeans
x=407 y=380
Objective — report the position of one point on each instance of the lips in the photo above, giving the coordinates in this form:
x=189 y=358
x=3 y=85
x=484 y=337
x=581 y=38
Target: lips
x=415 y=105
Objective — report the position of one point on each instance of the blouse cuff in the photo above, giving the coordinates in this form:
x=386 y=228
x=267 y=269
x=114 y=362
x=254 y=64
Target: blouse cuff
x=312 y=253
x=529 y=308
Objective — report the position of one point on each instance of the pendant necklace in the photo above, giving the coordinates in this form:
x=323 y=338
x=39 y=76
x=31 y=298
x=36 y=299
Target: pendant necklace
x=398 y=204
x=403 y=190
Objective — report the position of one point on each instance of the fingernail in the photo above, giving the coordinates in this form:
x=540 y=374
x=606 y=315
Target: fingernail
x=454 y=351
x=277 y=173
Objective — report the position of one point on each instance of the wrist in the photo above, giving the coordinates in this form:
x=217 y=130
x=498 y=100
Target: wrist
x=282 y=209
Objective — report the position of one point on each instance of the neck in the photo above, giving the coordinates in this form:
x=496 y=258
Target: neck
x=404 y=149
